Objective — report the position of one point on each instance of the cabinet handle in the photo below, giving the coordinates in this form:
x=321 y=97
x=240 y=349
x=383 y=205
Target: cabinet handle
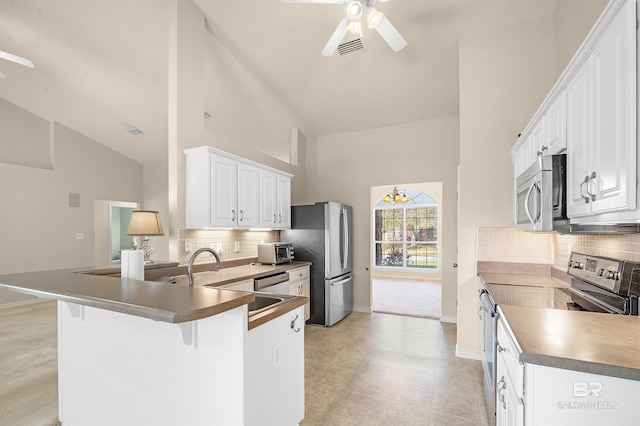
x=584 y=182
x=241 y=215
x=233 y=215
x=274 y=218
x=500 y=348
x=293 y=324
x=279 y=218
x=479 y=310
x=502 y=385
x=591 y=178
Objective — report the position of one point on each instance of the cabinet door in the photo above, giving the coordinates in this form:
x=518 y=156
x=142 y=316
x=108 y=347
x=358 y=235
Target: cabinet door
x=248 y=196
x=536 y=142
x=224 y=190
x=578 y=141
x=268 y=199
x=555 y=127
x=614 y=110
x=284 y=202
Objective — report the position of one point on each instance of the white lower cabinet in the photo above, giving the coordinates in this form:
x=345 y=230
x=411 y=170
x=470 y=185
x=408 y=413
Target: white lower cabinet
x=300 y=285
x=532 y=394
x=274 y=372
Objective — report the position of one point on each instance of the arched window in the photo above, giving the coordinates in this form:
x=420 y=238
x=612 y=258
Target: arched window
x=406 y=234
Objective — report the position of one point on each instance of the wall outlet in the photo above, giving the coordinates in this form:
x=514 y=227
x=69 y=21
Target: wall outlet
x=219 y=247
x=79 y=236
x=237 y=246
x=187 y=246
x=276 y=355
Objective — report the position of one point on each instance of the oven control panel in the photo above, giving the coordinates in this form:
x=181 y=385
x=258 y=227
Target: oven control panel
x=601 y=271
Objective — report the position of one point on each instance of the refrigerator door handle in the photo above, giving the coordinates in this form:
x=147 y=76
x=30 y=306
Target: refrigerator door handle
x=345 y=239
x=342 y=281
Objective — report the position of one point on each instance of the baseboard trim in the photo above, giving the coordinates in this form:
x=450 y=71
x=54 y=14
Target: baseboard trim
x=449 y=319
x=21 y=303
x=363 y=309
x=468 y=353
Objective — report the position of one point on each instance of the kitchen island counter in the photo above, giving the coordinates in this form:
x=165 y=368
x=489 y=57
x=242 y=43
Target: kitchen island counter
x=150 y=299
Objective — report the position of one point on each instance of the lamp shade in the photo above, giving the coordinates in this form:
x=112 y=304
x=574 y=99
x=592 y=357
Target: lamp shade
x=145 y=223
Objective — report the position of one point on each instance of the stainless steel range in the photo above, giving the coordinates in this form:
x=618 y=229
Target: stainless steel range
x=602 y=284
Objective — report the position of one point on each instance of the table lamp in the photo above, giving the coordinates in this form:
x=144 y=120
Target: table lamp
x=145 y=223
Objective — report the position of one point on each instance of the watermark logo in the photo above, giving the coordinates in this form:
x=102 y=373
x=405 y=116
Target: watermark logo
x=587 y=396
x=587 y=389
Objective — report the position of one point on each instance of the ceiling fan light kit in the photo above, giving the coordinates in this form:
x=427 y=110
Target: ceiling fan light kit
x=356 y=9
x=374 y=17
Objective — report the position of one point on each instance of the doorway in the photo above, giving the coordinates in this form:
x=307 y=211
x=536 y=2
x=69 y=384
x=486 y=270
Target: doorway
x=111 y=221
x=406 y=250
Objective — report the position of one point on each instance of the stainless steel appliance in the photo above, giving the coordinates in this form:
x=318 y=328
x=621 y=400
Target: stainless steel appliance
x=277 y=283
x=275 y=253
x=602 y=284
x=322 y=234
x=541 y=201
x=488 y=315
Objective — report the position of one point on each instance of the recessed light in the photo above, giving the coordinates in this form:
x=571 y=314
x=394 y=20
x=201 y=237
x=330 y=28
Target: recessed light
x=136 y=132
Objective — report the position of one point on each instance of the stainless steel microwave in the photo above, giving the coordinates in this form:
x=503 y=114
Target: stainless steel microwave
x=275 y=253
x=541 y=195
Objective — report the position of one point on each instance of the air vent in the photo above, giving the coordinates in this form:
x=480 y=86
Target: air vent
x=350 y=47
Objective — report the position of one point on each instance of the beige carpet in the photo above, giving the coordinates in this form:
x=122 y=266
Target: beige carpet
x=29 y=365
x=407 y=297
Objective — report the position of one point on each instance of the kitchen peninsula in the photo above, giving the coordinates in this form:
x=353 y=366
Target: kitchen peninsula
x=140 y=352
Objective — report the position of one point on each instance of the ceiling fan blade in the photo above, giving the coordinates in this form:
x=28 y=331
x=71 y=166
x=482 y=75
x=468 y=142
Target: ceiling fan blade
x=15 y=58
x=336 y=37
x=390 y=34
x=314 y=1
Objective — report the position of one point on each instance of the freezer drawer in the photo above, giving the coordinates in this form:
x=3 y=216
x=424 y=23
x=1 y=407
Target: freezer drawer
x=338 y=298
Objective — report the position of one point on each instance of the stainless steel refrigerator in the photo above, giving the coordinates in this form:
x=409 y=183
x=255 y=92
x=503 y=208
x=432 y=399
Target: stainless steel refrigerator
x=321 y=234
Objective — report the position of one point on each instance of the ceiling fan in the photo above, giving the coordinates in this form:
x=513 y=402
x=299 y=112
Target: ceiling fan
x=356 y=11
x=15 y=58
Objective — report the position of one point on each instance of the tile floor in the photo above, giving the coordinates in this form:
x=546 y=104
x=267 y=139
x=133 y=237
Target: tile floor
x=383 y=369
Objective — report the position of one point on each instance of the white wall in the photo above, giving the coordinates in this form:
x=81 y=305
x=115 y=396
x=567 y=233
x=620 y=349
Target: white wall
x=343 y=168
x=37 y=228
x=504 y=76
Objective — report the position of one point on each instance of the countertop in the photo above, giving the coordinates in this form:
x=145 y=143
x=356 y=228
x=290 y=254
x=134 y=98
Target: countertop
x=590 y=342
x=155 y=300
x=522 y=280
x=604 y=344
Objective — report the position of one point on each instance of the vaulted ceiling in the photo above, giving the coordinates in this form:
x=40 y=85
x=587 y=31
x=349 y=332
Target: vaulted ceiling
x=101 y=66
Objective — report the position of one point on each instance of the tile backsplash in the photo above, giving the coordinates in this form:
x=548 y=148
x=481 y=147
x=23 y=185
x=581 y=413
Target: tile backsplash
x=233 y=244
x=508 y=245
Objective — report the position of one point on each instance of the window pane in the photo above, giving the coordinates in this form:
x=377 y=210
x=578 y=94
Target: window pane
x=389 y=224
x=389 y=254
x=422 y=256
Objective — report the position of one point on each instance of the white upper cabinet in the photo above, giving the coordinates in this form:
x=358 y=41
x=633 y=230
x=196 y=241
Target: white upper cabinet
x=284 y=202
x=601 y=122
x=555 y=127
x=226 y=191
x=269 y=192
x=275 y=204
x=248 y=195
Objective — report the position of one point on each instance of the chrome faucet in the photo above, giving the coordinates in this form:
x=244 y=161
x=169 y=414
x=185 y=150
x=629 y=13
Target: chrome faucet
x=193 y=258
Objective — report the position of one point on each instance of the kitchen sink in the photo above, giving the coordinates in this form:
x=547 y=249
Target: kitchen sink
x=263 y=302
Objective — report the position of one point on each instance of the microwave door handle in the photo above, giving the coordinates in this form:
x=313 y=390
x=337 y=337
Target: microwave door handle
x=526 y=205
x=539 y=212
